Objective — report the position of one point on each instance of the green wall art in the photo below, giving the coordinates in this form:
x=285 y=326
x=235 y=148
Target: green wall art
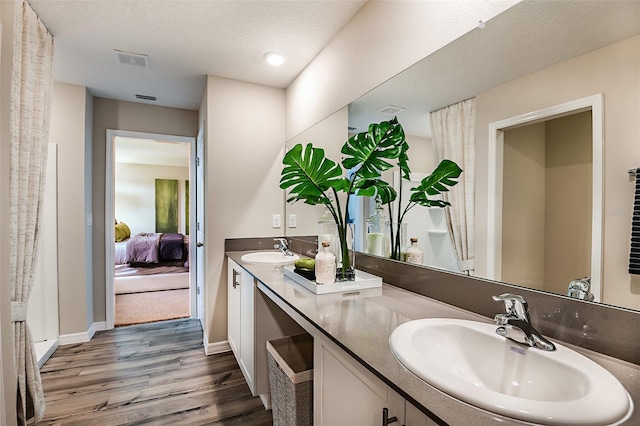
x=186 y=206
x=166 y=205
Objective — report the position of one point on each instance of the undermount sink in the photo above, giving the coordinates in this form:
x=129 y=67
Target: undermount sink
x=272 y=257
x=469 y=361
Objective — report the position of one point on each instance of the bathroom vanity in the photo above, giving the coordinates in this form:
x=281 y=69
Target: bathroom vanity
x=252 y=320
x=357 y=379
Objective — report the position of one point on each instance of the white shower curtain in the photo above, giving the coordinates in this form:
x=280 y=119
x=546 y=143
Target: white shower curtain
x=453 y=130
x=31 y=89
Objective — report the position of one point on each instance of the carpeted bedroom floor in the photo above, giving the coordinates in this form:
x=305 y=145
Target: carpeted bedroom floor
x=152 y=306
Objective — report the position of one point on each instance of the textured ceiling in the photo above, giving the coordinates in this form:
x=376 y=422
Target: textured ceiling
x=526 y=38
x=185 y=41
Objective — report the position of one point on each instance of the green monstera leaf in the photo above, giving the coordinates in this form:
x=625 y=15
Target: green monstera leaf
x=375 y=188
x=308 y=174
x=368 y=153
x=403 y=161
x=437 y=182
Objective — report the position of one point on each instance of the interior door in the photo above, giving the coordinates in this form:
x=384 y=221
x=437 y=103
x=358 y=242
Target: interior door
x=200 y=249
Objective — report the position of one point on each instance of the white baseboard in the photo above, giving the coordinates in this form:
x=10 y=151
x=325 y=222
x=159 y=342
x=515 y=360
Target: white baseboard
x=216 y=347
x=97 y=326
x=266 y=400
x=82 y=337
x=45 y=349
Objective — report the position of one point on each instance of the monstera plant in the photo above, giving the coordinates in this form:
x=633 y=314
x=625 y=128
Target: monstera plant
x=436 y=183
x=311 y=177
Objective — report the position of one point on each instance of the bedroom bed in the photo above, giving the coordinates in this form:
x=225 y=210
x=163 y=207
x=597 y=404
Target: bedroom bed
x=151 y=262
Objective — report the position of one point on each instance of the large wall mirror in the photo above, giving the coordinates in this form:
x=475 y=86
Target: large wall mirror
x=557 y=125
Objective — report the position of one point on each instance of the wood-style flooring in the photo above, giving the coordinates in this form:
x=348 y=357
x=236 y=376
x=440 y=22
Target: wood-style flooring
x=152 y=374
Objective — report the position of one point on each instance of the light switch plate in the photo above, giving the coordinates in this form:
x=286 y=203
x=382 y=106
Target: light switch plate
x=276 y=221
x=293 y=221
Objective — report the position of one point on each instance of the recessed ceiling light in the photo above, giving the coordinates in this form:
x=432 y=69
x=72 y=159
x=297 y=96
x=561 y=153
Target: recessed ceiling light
x=274 y=58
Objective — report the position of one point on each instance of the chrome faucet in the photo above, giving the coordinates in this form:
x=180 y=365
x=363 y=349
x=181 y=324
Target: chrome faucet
x=580 y=289
x=283 y=246
x=517 y=317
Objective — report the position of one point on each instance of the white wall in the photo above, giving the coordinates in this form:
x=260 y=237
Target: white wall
x=382 y=39
x=613 y=71
x=244 y=148
x=42 y=315
x=135 y=194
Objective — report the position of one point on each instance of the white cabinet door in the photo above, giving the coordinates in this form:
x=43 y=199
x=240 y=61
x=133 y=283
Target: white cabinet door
x=348 y=394
x=240 y=319
x=415 y=417
x=247 y=329
x=252 y=320
x=233 y=307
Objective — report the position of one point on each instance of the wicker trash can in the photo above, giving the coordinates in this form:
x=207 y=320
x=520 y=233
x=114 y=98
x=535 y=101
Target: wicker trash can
x=291 y=380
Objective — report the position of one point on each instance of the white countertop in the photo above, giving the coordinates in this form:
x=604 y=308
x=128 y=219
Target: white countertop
x=362 y=322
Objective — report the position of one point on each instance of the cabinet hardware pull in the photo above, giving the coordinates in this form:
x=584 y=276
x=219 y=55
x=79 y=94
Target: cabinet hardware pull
x=386 y=420
x=236 y=274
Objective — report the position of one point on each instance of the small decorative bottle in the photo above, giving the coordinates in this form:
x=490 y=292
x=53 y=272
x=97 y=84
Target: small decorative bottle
x=325 y=265
x=413 y=253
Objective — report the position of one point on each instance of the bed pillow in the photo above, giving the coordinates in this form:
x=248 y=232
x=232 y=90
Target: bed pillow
x=122 y=232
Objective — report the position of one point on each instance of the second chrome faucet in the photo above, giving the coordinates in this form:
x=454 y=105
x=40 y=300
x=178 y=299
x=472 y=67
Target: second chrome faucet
x=516 y=320
x=283 y=246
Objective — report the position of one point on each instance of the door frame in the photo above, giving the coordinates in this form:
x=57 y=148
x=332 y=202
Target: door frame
x=109 y=215
x=595 y=104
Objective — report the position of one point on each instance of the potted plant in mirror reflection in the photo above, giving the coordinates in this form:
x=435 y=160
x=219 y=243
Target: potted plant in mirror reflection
x=315 y=179
x=439 y=181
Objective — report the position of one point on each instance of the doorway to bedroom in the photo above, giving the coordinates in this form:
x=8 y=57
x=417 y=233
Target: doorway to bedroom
x=152 y=201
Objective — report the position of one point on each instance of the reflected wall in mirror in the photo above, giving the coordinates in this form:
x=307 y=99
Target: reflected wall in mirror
x=533 y=56
x=545 y=198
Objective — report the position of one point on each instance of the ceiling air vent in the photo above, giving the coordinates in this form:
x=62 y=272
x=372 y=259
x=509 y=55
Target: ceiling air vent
x=391 y=110
x=146 y=97
x=134 y=59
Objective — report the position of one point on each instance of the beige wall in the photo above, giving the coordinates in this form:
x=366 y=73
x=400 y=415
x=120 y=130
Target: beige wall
x=68 y=123
x=569 y=164
x=523 y=206
x=546 y=209
x=88 y=194
x=130 y=116
x=421 y=156
x=244 y=148
x=135 y=196
x=613 y=71
x=330 y=134
x=8 y=377
x=382 y=39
